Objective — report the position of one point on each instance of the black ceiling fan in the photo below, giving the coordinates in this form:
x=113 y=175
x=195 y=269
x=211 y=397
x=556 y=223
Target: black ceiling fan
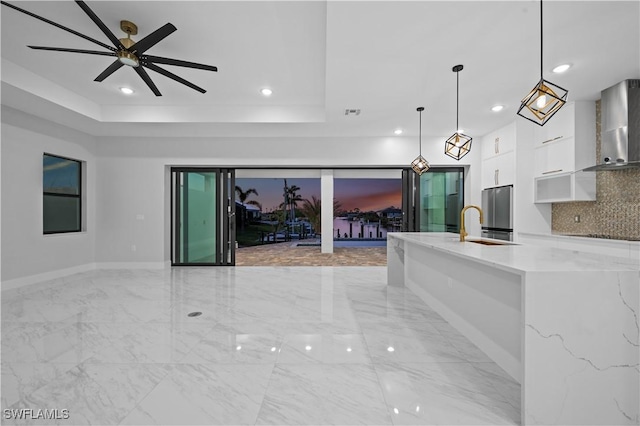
x=125 y=50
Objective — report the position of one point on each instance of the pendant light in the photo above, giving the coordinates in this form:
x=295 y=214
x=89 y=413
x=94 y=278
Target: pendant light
x=459 y=144
x=545 y=99
x=420 y=165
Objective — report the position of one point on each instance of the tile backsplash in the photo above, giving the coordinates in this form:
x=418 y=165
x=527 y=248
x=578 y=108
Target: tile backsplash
x=616 y=211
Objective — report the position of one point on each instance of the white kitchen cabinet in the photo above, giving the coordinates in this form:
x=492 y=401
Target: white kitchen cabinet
x=499 y=142
x=498 y=157
x=554 y=158
x=498 y=170
x=579 y=186
x=564 y=146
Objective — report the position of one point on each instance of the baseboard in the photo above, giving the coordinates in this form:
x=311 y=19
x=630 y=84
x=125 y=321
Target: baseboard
x=132 y=265
x=60 y=273
x=51 y=275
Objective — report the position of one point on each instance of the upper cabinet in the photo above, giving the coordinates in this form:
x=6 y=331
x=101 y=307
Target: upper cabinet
x=563 y=147
x=498 y=157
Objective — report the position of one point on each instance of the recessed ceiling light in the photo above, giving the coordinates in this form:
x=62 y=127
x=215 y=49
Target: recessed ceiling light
x=126 y=90
x=397 y=131
x=266 y=92
x=497 y=108
x=561 y=68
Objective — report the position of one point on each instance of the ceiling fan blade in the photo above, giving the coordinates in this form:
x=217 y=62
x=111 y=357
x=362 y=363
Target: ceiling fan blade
x=110 y=70
x=177 y=62
x=172 y=76
x=152 y=39
x=143 y=74
x=33 y=15
x=64 y=49
x=117 y=43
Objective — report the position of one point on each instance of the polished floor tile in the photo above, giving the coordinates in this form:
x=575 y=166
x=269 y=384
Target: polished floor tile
x=94 y=394
x=205 y=394
x=443 y=393
x=323 y=394
x=272 y=345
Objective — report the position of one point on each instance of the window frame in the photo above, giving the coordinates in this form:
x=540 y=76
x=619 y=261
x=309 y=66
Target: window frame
x=78 y=196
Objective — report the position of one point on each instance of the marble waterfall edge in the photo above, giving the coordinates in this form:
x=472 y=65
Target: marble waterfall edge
x=579 y=320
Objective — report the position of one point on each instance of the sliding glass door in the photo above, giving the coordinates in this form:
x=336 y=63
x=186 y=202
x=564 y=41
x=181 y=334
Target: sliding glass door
x=432 y=202
x=441 y=200
x=203 y=208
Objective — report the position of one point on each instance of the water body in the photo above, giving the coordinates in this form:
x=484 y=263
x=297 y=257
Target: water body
x=371 y=229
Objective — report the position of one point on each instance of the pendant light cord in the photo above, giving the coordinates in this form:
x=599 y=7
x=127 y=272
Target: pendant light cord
x=541 y=46
x=420 y=139
x=457 y=99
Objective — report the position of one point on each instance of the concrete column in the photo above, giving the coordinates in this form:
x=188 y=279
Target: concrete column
x=326 y=195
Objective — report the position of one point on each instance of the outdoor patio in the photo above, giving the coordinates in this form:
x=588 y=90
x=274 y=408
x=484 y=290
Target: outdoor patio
x=290 y=254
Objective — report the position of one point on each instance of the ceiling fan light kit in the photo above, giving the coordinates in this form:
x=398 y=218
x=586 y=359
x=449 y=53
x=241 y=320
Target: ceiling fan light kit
x=125 y=50
x=546 y=98
x=458 y=145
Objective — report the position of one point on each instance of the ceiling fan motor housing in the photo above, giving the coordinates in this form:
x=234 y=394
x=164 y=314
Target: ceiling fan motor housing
x=126 y=57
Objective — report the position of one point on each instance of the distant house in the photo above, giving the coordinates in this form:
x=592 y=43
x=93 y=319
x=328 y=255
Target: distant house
x=390 y=213
x=247 y=212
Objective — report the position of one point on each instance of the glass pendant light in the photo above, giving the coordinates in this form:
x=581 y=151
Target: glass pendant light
x=420 y=164
x=459 y=144
x=546 y=98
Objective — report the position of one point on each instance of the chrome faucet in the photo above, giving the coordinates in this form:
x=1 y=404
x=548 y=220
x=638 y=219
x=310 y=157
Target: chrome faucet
x=463 y=231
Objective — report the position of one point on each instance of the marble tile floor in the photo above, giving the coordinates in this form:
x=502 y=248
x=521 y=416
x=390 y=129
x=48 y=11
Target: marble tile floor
x=274 y=345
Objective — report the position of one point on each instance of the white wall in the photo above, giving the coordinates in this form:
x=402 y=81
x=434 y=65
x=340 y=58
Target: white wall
x=25 y=250
x=128 y=186
x=131 y=211
x=132 y=177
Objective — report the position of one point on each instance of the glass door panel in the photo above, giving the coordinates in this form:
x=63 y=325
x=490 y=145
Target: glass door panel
x=203 y=225
x=441 y=199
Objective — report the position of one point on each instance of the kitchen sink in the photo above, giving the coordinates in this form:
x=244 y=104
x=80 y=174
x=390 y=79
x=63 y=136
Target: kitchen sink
x=491 y=242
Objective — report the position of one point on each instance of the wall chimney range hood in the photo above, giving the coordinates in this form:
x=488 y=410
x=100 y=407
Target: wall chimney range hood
x=620 y=142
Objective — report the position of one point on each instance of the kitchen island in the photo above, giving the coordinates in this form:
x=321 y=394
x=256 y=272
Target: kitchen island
x=563 y=323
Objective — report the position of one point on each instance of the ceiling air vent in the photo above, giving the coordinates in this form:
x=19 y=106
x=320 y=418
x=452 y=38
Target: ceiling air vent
x=349 y=111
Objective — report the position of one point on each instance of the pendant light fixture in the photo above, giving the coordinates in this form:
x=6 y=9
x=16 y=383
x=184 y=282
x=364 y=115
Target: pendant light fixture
x=420 y=165
x=459 y=144
x=546 y=98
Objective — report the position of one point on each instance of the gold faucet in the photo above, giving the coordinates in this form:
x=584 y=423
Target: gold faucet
x=463 y=231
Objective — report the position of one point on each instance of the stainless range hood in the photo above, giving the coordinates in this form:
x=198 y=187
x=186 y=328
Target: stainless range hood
x=620 y=144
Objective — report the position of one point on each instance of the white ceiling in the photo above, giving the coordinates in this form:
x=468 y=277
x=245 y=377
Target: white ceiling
x=383 y=57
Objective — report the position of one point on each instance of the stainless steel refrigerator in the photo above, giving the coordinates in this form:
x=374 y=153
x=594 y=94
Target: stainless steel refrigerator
x=497 y=205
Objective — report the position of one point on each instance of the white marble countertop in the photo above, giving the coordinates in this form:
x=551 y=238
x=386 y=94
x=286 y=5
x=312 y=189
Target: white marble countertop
x=517 y=258
x=583 y=238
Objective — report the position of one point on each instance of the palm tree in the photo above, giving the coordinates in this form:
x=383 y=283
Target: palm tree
x=242 y=196
x=291 y=199
x=294 y=198
x=312 y=210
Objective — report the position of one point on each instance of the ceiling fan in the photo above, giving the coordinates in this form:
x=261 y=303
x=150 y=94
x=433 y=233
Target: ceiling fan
x=125 y=50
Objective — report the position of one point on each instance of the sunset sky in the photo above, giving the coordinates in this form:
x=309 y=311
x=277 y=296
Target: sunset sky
x=365 y=194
